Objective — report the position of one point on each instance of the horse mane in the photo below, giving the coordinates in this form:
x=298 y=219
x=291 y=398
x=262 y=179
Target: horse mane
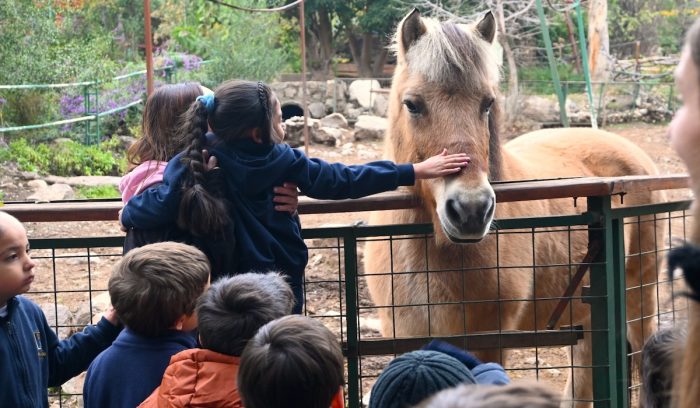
x=452 y=55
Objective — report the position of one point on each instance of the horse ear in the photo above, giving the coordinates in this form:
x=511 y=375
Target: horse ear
x=487 y=27
x=412 y=28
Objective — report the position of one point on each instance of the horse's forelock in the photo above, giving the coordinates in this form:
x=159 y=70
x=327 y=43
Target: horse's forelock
x=451 y=56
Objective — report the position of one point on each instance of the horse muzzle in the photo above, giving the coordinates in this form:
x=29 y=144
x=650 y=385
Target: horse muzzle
x=466 y=216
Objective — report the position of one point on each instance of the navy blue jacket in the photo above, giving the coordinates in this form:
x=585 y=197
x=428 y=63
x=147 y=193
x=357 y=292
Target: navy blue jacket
x=33 y=359
x=125 y=374
x=266 y=239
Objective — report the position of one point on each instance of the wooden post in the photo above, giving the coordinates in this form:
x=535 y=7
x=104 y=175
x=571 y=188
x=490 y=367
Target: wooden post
x=148 y=42
x=307 y=140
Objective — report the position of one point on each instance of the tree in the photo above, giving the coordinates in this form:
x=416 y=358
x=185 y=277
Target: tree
x=598 y=41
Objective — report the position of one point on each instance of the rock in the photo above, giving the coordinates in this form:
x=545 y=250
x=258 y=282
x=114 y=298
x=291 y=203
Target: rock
x=369 y=128
x=295 y=130
x=334 y=120
x=125 y=142
x=85 y=180
x=540 y=109
x=53 y=192
x=370 y=324
x=58 y=315
x=380 y=105
x=74 y=385
x=100 y=304
x=317 y=110
x=329 y=136
x=360 y=91
x=61 y=140
x=353 y=113
x=37 y=184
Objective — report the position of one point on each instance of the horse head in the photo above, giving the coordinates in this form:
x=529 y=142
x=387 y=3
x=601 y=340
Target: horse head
x=444 y=96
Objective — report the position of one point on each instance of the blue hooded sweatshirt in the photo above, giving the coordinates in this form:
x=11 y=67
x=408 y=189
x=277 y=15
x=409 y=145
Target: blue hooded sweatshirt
x=266 y=239
x=33 y=359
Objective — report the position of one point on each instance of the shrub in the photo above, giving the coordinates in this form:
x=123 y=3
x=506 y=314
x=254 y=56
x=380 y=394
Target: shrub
x=94 y=192
x=67 y=158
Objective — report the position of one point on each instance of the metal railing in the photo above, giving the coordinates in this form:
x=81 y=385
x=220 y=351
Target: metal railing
x=336 y=288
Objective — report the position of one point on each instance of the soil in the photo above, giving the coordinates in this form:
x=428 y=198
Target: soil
x=76 y=276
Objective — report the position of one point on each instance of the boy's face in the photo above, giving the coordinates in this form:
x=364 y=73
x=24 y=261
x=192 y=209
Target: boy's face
x=16 y=266
x=684 y=129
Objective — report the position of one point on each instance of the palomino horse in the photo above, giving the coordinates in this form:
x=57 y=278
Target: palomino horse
x=444 y=95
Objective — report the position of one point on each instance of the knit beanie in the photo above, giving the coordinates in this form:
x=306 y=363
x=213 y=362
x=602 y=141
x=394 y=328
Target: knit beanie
x=414 y=376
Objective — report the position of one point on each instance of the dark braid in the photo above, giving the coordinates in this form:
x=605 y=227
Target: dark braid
x=201 y=212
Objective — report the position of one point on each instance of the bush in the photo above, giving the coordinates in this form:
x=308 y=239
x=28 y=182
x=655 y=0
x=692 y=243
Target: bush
x=101 y=191
x=67 y=158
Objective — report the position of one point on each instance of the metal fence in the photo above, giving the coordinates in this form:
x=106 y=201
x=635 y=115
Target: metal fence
x=72 y=274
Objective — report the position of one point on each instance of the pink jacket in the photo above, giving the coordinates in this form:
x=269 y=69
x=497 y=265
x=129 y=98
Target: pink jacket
x=140 y=178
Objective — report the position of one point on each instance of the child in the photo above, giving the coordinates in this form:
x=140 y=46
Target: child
x=685 y=140
x=415 y=376
x=246 y=120
x=31 y=356
x=229 y=314
x=523 y=395
x=147 y=159
x=292 y=362
x=154 y=290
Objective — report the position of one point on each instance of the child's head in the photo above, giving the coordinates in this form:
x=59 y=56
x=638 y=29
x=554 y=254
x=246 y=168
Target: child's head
x=237 y=110
x=16 y=266
x=685 y=126
x=515 y=395
x=659 y=356
x=413 y=377
x=161 y=120
x=234 y=308
x=294 y=361
x=155 y=287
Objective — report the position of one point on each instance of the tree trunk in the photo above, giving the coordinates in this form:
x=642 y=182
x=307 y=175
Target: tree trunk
x=325 y=31
x=365 y=66
x=599 y=53
x=512 y=97
x=378 y=66
x=572 y=40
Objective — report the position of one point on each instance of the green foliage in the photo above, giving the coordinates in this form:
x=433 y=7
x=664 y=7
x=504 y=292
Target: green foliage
x=240 y=45
x=66 y=158
x=101 y=191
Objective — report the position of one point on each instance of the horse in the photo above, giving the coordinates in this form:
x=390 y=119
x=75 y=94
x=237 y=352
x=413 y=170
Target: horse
x=444 y=94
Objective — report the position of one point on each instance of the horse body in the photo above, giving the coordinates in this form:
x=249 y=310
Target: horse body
x=439 y=287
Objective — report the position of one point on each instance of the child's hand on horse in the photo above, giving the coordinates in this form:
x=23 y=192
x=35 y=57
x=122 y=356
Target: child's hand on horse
x=441 y=165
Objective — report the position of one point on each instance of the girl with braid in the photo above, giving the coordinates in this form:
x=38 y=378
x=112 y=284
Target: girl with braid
x=147 y=159
x=246 y=137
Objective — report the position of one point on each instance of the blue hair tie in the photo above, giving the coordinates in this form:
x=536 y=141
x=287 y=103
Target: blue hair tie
x=208 y=101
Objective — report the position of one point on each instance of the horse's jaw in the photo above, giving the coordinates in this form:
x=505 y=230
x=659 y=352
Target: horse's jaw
x=465 y=214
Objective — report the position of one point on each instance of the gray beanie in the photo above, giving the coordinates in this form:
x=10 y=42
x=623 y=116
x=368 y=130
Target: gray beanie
x=415 y=376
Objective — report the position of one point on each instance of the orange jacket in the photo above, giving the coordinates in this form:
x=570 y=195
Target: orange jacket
x=198 y=378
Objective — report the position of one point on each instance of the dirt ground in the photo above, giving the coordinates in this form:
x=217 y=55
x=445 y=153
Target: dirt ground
x=75 y=276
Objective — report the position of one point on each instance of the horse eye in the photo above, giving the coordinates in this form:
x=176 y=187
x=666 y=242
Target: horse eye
x=486 y=105
x=412 y=107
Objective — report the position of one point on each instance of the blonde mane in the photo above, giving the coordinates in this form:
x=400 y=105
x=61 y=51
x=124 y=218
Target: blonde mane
x=452 y=54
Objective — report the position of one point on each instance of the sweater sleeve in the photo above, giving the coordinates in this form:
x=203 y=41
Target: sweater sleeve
x=73 y=355
x=335 y=181
x=157 y=206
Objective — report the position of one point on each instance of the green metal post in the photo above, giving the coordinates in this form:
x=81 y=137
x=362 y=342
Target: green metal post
x=552 y=64
x=607 y=300
x=352 y=318
x=97 y=116
x=86 y=106
x=586 y=70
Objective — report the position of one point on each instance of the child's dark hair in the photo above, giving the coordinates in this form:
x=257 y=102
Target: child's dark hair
x=238 y=109
x=291 y=362
x=162 y=113
x=153 y=286
x=234 y=308
x=659 y=356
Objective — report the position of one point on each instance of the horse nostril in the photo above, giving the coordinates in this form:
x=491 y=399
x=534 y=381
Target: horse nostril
x=489 y=208
x=453 y=209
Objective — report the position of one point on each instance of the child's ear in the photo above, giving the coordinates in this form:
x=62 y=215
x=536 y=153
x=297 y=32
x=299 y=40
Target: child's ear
x=339 y=399
x=179 y=323
x=255 y=135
